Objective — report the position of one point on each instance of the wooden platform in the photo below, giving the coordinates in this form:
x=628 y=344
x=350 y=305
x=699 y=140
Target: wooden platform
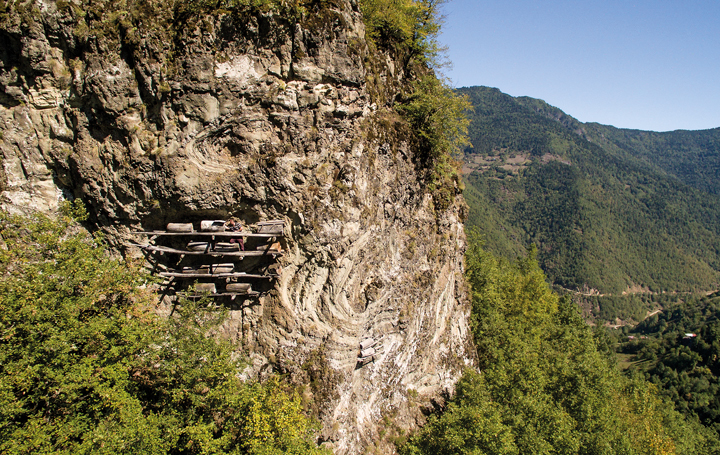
x=213 y=240
x=175 y=274
x=222 y=294
x=209 y=234
x=239 y=254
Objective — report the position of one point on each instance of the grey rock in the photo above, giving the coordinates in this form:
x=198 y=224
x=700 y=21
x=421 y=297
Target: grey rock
x=280 y=126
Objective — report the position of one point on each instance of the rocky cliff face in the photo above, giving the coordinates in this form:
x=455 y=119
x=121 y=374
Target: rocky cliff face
x=258 y=116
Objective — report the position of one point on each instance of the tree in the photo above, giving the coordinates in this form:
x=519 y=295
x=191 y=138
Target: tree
x=543 y=386
x=87 y=367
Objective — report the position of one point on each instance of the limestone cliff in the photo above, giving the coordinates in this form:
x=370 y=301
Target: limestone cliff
x=259 y=116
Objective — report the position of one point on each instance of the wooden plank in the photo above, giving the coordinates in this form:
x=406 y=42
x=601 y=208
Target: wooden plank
x=216 y=275
x=218 y=247
x=223 y=294
x=213 y=234
x=163 y=249
x=211 y=268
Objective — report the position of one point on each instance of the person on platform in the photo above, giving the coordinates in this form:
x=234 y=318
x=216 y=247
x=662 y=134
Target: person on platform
x=233 y=226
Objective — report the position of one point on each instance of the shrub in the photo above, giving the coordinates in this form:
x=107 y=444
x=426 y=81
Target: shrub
x=87 y=367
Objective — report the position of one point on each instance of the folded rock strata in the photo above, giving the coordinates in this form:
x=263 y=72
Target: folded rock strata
x=258 y=117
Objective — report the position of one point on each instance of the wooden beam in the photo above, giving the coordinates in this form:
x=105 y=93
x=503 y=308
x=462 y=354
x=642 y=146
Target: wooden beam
x=214 y=275
x=240 y=254
x=209 y=234
x=224 y=294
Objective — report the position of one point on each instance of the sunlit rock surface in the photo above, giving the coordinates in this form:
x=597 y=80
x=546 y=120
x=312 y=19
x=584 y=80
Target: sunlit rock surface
x=258 y=118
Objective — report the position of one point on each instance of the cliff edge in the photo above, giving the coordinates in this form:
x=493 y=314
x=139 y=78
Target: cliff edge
x=255 y=113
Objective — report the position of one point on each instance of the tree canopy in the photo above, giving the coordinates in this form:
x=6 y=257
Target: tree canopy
x=546 y=384
x=87 y=367
x=678 y=349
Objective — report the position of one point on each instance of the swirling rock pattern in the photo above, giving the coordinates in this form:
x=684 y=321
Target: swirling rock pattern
x=259 y=118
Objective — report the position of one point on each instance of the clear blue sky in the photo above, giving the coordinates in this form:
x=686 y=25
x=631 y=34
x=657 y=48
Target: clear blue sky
x=650 y=65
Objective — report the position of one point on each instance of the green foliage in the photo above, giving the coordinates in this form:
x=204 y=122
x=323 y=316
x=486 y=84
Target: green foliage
x=390 y=20
x=62 y=305
x=601 y=217
x=686 y=369
x=691 y=156
x=626 y=307
x=438 y=115
x=271 y=423
x=545 y=385
x=472 y=424
x=409 y=27
x=86 y=367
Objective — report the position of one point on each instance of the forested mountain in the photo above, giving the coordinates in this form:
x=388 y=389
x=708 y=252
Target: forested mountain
x=610 y=210
x=691 y=156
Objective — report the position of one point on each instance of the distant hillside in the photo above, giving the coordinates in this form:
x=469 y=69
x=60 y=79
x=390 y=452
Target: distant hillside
x=691 y=156
x=610 y=210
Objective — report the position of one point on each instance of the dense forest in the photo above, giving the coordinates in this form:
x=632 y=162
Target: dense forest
x=603 y=217
x=679 y=350
x=546 y=382
x=691 y=156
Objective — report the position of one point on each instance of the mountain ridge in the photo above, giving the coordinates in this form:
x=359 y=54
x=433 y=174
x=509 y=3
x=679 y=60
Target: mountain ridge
x=631 y=141
x=602 y=216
